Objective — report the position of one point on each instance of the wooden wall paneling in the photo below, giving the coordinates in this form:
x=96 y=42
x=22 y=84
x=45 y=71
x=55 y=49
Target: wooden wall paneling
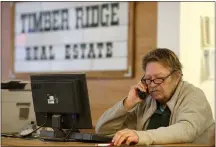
x=103 y=93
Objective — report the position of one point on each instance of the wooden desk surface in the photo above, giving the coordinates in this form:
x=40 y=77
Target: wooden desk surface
x=35 y=142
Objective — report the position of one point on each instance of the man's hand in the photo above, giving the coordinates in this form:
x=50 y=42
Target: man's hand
x=126 y=136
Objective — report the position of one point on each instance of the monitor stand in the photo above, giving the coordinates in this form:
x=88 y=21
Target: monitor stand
x=58 y=134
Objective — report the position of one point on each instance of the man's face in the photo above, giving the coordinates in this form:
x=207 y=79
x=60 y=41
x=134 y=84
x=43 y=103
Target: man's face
x=161 y=92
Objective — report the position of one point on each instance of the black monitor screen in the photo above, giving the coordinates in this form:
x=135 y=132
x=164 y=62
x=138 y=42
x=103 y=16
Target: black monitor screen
x=65 y=95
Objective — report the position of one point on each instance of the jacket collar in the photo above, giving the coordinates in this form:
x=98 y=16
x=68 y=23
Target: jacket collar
x=171 y=103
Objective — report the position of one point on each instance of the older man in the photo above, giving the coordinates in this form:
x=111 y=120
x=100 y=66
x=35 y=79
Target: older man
x=174 y=111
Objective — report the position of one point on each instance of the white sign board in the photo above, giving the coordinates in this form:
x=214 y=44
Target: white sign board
x=70 y=36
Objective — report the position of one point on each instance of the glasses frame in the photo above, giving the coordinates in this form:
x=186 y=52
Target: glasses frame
x=143 y=80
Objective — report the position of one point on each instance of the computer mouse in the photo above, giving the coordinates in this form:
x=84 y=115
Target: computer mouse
x=26 y=132
x=133 y=143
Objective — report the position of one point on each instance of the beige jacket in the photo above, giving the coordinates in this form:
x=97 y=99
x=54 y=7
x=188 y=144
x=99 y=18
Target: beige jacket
x=191 y=119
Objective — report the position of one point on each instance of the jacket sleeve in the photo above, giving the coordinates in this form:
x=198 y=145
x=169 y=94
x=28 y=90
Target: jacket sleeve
x=115 y=119
x=191 y=121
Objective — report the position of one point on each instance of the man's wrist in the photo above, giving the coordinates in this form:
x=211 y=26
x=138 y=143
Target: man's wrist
x=128 y=105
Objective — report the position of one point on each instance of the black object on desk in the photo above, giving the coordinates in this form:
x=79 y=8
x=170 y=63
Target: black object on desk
x=13 y=85
x=81 y=137
x=90 y=137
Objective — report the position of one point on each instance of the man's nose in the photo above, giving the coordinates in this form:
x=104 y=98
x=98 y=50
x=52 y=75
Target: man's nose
x=152 y=84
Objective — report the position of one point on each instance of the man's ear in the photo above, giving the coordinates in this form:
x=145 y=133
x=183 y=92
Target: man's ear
x=178 y=76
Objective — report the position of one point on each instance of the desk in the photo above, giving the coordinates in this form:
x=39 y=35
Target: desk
x=36 y=142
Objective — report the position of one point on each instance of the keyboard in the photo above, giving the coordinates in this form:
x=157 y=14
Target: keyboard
x=90 y=137
x=81 y=137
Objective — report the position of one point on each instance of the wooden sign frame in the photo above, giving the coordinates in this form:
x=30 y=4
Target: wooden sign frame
x=129 y=73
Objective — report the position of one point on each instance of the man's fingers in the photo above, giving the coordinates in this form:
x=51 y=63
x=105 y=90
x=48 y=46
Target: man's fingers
x=140 y=86
x=131 y=140
x=125 y=136
x=118 y=136
x=121 y=140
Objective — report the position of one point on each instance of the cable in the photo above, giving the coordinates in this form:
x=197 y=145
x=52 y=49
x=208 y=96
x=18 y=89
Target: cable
x=26 y=135
x=12 y=135
x=68 y=135
x=74 y=117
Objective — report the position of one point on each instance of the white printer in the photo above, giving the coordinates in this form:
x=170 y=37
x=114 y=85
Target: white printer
x=17 y=106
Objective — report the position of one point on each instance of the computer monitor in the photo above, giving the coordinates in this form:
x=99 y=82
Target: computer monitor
x=61 y=102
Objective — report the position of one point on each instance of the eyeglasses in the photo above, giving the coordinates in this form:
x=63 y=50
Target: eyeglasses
x=156 y=80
